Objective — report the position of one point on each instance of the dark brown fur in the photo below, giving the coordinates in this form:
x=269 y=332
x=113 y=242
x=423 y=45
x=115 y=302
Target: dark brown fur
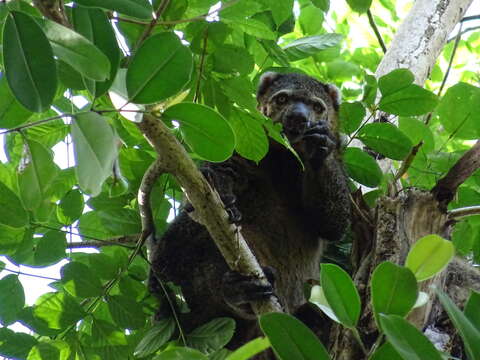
x=287 y=212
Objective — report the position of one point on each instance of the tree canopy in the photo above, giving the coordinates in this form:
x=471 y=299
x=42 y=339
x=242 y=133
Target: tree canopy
x=96 y=98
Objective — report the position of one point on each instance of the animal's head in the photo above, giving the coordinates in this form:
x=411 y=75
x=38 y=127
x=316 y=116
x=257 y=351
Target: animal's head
x=297 y=101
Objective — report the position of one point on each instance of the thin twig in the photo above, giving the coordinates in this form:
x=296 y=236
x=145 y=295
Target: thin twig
x=32 y=275
x=202 y=61
x=98 y=244
x=456 y=214
x=473 y=28
x=35 y=123
x=468 y=18
x=376 y=31
x=450 y=62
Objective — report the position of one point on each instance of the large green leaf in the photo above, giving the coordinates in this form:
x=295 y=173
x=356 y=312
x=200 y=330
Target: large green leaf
x=137 y=8
x=58 y=310
x=155 y=338
x=95 y=26
x=212 y=335
x=341 y=294
x=252 y=26
x=121 y=221
x=37 y=176
x=230 y=58
x=362 y=167
x=395 y=81
x=351 y=115
x=12 y=113
x=252 y=348
x=126 y=312
x=77 y=51
x=29 y=64
x=407 y=340
x=393 y=289
x=359 y=6
x=15 y=345
x=386 y=352
x=50 y=350
x=70 y=207
x=50 y=248
x=386 y=139
x=95 y=147
x=204 y=130
x=472 y=309
x=458 y=111
x=160 y=68
x=469 y=333
x=251 y=140
x=429 y=255
x=291 y=339
x=311 y=45
x=180 y=353
x=409 y=101
x=12 y=212
x=79 y=281
x=12 y=299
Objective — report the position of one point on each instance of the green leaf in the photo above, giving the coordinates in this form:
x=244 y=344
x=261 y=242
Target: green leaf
x=231 y=58
x=50 y=350
x=121 y=221
x=359 y=6
x=140 y=9
x=386 y=352
x=74 y=49
x=417 y=131
x=181 y=353
x=429 y=255
x=252 y=27
x=251 y=140
x=58 y=310
x=472 y=309
x=12 y=212
x=205 y=131
x=322 y=4
x=12 y=299
x=291 y=339
x=37 y=176
x=250 y=349
x=458 y=111
x=126 y=312
x=362 y=167
x=79 y=281
x=311 y=45
x=469 y=333
x=95 y=26
x=317 y=297
x=15 y=345
x=212 y=335
x=29 y=64
x=155 y=338
x=395 y=81
x=341 y=294
x=160 y=68
x=70 y=207
x=409 y=101
x=12 y=113
x=12 y=239
x=351 y=115
x=407 y=340
x=386 y=139
x=393 y=289
x=50 y=248
x=95 y=148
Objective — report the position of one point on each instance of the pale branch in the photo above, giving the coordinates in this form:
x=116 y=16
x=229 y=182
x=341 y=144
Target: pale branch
x=459 y=213
x=446 y=187
x=208 y=206
x=371 y=21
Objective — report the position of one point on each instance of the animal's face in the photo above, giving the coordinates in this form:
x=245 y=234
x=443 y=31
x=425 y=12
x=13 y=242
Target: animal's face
x=297 y=102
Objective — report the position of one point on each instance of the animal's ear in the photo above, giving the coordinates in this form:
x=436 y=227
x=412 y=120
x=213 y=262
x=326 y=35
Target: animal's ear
x=335 y=95
x=266 y=80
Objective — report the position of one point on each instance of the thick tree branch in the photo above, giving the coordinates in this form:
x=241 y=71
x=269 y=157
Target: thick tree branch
x=208 y=207
x=446 y=187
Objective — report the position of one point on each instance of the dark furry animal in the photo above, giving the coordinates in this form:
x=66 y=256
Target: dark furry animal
x=286 y=213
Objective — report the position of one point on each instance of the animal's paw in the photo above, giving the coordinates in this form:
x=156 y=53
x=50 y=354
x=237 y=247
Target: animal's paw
x=239 y=290
x=319 y=142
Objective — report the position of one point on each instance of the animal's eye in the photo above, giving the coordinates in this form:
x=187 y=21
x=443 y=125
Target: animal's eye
x=281 y=99
x=318 y=107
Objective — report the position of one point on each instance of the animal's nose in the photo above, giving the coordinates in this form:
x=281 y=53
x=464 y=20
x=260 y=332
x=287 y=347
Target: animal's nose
x=297 y=119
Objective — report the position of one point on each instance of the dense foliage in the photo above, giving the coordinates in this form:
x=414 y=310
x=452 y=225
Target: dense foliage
x=80 y=90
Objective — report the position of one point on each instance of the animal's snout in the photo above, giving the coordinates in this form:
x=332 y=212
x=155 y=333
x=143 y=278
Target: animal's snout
x=297 y=119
